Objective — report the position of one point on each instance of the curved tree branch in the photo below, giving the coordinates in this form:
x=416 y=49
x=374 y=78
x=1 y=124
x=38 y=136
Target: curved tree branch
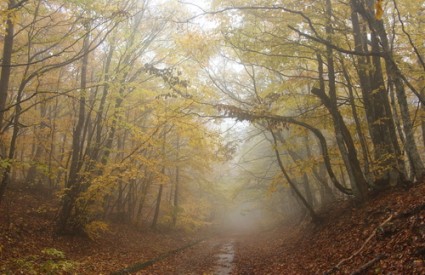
x=274 y=120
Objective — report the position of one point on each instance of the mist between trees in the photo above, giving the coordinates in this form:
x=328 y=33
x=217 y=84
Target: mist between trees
x=238 y=113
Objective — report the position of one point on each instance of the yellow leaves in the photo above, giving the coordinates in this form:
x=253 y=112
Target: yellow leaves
x=6 y=14
x=196 y=45
x=95 y=228
x=379 y=10
x=276 y=182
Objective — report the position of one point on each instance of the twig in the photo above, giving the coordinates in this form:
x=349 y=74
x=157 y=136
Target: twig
x=367 y=265
x=337 y=267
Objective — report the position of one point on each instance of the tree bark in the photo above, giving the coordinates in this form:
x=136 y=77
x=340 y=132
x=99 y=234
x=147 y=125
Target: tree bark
x=423 y=118
x=6 y=67
x=394 y=76
x=177 y=184
x=309 y=208
x=356 y=117
x=73 y=184
x=157 y=207
x=378 y=111
x=344 y=139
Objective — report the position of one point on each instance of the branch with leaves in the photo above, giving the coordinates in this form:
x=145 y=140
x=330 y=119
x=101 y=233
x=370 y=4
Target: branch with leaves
x=276 y=121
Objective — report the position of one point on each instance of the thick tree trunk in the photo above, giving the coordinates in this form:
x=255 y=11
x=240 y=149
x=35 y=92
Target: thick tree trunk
x=4 y=90
x=6 y=68
x=378 y=111
x=394 y=78
x=5 y=180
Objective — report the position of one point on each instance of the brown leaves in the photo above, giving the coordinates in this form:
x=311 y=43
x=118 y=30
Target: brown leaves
x=396 y=246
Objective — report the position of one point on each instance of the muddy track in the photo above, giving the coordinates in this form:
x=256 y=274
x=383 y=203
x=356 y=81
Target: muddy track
x=209 y=256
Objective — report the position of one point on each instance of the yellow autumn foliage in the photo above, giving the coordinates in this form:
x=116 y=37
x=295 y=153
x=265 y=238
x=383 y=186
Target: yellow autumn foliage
x=95 y=228
x=379 y=10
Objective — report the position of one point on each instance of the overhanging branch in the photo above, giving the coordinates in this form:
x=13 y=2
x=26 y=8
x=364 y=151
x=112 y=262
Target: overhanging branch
x=275 y=120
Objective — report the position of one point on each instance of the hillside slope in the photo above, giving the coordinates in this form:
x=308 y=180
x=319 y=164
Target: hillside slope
x=385 y=235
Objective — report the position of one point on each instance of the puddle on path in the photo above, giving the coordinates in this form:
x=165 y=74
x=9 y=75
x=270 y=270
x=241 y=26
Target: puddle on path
x=225 y=256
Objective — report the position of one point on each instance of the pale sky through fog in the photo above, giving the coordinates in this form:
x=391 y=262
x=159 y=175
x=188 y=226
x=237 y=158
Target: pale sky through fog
x=196 y=6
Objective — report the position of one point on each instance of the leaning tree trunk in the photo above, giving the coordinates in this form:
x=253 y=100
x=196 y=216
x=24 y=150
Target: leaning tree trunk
x=305 y=183
x=309 y=196
x=294 y=187
x=344 y=139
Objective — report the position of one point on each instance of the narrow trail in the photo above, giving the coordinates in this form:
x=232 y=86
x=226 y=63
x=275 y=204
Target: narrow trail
x=213 y=256
x=225 y=257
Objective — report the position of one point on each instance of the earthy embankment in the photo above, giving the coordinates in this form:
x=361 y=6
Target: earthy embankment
x=383 y=236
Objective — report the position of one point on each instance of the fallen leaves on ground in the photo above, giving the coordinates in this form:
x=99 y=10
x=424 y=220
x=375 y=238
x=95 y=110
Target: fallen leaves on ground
x=397 y=247
x=385 y=235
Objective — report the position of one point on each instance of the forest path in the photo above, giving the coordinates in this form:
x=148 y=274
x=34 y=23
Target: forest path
x=225 y=257
x=211 y=256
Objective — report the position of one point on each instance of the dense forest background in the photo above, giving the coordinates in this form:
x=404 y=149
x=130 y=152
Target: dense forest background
x=173 y=114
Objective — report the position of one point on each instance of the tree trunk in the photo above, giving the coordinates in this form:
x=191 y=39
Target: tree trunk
x=343 y=136
x=377 y=106
x=73 y=184
x=423 y=118
x=4 y=91
x=394 y=76
x=177 y=183
x=94 y=152
x=145 y=188
x=157 y=207
x=304 y=181
x=32 y=175
x=356 y=117
x=6 y=69
x=344 y=139
x=5 y=180
x=309 y=208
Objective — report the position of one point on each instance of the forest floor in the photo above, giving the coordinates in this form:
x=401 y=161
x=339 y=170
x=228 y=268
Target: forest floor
x=383 y=236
